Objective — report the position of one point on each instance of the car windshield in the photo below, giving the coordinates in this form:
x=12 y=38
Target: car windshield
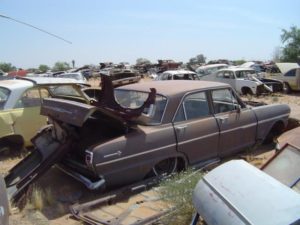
x=4 y=94
x=244 y=73
x=64 y=90
x=185 y=76
x=135 y=99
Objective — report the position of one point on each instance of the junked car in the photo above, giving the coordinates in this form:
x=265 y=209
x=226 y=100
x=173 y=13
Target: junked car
x=245 y=81
x=237 y=193
x=290 y=76
x=20 y=102
x=144 y=129
x=210 y=69
x=177 y=75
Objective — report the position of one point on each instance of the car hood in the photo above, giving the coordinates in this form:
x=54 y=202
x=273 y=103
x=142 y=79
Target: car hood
x=285 y=67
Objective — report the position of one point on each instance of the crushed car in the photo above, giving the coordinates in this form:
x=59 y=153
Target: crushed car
x=141 y=130
x=245 y=81
x=20 y=103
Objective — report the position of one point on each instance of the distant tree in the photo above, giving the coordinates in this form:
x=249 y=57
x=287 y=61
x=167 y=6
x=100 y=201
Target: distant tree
x=61 y=66
x=291 y=50
x=143 y=61
x=73 y=63
x=43 y=68
x=199 y=59
x=239 y=62
x=6 y=67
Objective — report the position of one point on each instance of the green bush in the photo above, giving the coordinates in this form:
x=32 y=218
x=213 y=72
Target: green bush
x=177 y=192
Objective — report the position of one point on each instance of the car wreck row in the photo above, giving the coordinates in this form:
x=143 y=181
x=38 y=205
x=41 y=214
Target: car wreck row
x=132 y=132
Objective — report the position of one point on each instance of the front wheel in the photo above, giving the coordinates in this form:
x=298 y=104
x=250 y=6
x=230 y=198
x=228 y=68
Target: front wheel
x=165 y=167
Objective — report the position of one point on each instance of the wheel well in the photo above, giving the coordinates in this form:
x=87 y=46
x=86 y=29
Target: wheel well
x=275 y=131
x=13 y=141
x=278 y=128
x=246 y=90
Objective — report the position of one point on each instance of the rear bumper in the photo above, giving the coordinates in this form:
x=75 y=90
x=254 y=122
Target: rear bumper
x=91 y=185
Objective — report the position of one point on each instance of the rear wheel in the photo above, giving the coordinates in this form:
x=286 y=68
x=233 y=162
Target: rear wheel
x=165 y=167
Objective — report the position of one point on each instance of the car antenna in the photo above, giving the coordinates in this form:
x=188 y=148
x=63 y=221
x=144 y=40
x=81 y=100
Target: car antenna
x=29 y=25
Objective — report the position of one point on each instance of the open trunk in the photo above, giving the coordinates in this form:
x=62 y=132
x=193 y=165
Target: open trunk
x=74 y=128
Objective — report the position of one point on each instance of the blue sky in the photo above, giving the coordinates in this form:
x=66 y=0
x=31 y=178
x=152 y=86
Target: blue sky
x=125 y=30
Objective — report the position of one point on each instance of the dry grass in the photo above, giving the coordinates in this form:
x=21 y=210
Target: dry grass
x=177 y=192
x=37 y=199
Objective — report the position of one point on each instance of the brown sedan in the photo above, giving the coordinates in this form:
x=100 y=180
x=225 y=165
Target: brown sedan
x=131 y=134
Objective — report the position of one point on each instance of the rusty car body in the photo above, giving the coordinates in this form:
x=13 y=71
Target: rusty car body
x=145 y=129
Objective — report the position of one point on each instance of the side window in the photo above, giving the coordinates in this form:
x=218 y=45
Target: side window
x=194 y=106
x=226 y=74
x=220 y=74
x=30 y=98
x=44 y=93
x=224 y=101
x=291 y=73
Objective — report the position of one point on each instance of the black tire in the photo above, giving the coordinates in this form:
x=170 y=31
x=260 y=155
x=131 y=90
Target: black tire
x=165 y=167
x=3 y=203
x=286 y=88
x=247 y=91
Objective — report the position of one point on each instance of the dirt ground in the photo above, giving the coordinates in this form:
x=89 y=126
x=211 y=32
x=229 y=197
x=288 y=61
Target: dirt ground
x=61 y=191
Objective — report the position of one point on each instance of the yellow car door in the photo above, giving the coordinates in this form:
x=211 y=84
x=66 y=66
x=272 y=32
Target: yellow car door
x=26 y=114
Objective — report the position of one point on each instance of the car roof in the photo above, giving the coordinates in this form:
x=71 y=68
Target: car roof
x=237 y=69
x=173 y=72
x=24 y=83
x=173 y=87
x=16 y=84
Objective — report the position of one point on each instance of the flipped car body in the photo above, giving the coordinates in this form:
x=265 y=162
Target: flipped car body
x=141 y=129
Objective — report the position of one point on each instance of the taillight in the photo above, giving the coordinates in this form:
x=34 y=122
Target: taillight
x=88 y=158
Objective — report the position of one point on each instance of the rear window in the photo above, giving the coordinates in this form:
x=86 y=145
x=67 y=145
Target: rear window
x=4 y=94
x=64 y=90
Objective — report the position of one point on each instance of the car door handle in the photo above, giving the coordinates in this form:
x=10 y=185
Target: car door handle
x=181 y=128
x=222 y=119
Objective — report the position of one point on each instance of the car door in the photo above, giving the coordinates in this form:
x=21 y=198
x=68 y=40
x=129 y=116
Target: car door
x=196 y=128
x=26 y=113
x=237 y=123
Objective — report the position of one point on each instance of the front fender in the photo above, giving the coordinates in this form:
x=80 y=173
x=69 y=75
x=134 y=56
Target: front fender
x=268 y=116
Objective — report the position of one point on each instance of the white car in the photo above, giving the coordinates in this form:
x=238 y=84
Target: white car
x=209 y=69
x=177 y=75
x=244 y=80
